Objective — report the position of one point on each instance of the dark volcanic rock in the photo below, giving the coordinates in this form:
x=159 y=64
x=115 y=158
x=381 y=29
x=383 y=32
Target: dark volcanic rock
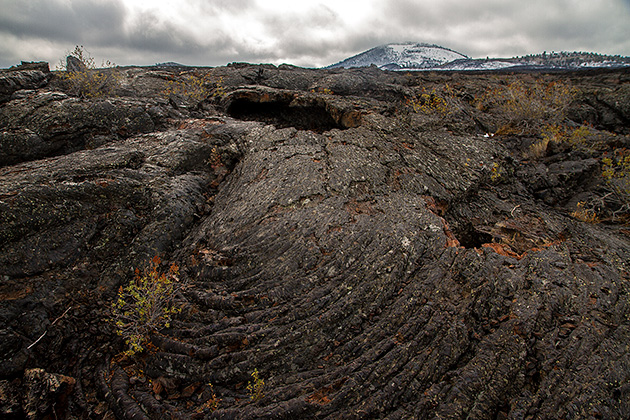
x=368 y=261
x=73 y=64
x=13 y=81
x=32 y=65
x=37 y=124
x=46 y=394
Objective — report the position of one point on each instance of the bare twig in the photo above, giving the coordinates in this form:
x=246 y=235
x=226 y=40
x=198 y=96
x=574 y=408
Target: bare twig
x=514 y=209
x=45 y=332
x=37 y=341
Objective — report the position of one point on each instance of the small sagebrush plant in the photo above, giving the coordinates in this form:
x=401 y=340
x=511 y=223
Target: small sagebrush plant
x=585 y=214
x=555 y=133
x=212 y=403
x=89 y=81
x=496 y=172
x=146 y=304
x=433 y=102
x=195 y=87
x=522 y=105
x=616 y=172
x=325 y=91
x=256 y=386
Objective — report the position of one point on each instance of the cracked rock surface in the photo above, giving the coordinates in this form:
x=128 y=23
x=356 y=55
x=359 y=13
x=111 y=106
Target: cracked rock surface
x=370 y=262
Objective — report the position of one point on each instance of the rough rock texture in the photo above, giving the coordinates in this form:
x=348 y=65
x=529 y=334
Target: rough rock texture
x=369 y=261
x=42 y=124
x=14 y=80
x=73 y=64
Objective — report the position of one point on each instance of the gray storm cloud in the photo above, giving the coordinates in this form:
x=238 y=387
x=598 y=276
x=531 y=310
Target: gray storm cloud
x=62 y=21
x=314 y=34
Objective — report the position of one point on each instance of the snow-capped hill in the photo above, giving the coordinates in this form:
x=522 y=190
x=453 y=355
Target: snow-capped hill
x=402 y=56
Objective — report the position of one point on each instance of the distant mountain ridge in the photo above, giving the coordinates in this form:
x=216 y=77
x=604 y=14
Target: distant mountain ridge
x=420 y=56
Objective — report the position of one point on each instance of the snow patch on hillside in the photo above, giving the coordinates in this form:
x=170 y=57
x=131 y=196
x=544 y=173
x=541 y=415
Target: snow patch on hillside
x=477 y=65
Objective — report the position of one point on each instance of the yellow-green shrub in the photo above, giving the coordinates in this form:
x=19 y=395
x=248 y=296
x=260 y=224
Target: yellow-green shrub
x=195 y=87
x=616 y=172
x=90 y=82
x=496 y=172
x=325 y=91
x=433 y=102
x=256 y=386
x=556 y=133
x=146 y=304
x=519 y=104
x=575 y=137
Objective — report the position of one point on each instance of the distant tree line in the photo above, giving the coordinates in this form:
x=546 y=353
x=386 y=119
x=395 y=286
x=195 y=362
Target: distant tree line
x=575 y=58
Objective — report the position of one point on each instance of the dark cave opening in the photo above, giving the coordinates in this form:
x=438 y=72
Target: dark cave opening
x=282 y=115
x=469 y=237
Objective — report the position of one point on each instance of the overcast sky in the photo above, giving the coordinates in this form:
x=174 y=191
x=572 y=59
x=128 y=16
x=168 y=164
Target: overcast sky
x=308 y=33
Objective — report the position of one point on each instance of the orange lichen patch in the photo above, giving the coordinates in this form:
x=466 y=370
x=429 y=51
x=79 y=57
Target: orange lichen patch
x=213 y=257
x=359 y=207
x=320 y=397
x=196 y=123
x=395 y=180
x=14 y=291
x=395 y=175
x=265 y=97
x=351 y=119
x=104 y=182
x=237 y=345
x=262 y=174
x=399 y=338
x=451 y=240
x=503 y=249
x=437 y=207
x=518 y=330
